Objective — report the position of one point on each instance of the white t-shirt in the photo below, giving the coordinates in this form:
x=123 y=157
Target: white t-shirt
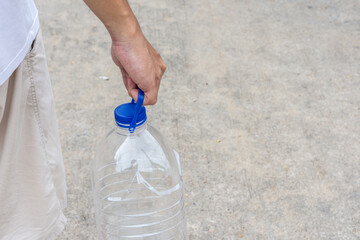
x=19 y=25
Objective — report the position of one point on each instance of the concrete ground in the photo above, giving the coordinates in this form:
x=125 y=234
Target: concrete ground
x=261 y=99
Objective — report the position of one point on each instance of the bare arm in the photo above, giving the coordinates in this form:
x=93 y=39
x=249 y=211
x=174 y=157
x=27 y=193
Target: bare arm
x=140 y=64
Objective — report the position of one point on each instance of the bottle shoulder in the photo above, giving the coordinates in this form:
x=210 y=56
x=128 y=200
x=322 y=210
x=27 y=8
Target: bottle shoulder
x=147 y=147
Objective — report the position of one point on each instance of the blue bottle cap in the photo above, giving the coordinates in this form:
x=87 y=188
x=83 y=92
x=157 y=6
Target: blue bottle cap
x=131 y=115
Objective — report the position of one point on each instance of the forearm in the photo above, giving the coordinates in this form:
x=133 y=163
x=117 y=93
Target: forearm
x=140 y=64
x=117 y=17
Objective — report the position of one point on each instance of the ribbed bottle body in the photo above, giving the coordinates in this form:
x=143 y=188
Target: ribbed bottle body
x=137 y=186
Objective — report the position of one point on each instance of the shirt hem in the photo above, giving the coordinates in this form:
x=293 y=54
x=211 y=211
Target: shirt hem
x=15 y=62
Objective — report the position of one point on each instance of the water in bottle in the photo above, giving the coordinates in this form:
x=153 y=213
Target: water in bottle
x=136 y=180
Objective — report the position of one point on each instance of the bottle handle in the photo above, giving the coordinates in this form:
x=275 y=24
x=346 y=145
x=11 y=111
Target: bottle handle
x=138 y=106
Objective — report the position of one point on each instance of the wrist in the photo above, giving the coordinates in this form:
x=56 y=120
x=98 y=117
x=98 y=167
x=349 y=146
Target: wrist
x=124 y=29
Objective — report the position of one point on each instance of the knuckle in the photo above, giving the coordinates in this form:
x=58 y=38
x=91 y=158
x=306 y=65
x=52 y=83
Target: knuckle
x=153 y=100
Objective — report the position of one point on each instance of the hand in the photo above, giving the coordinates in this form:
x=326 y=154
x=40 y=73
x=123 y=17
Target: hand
x=141 y=66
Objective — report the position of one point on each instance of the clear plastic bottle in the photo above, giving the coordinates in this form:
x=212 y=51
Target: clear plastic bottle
x=136 y=180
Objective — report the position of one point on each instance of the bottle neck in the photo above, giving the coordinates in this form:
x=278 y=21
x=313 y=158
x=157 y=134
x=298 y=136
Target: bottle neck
x=125 y=131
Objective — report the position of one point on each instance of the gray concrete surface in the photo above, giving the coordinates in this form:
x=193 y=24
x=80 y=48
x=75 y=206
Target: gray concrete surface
x=261 y=99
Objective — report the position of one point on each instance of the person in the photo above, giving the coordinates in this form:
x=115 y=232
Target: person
x=32 y=176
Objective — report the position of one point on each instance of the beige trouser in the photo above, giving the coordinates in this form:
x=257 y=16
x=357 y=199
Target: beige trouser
x=32 y=179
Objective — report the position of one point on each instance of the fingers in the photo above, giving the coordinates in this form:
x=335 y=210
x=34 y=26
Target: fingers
x=129 y=83
x=160 y=62
x=151 y=93
x=134 y=93
x=141 y=67
x=124 y=76
x=150 y=86
x=132 y=89
x=151 y=98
